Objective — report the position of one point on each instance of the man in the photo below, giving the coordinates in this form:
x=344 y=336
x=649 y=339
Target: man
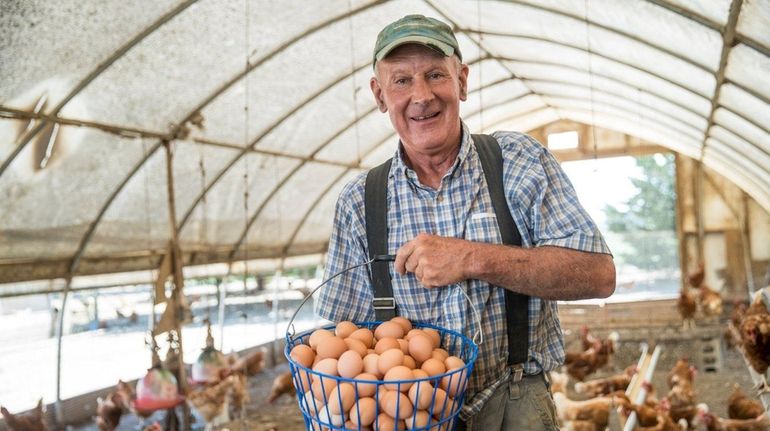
x=442 y=227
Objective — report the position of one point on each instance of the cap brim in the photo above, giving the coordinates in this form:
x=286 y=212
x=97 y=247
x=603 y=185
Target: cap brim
x=439 y=46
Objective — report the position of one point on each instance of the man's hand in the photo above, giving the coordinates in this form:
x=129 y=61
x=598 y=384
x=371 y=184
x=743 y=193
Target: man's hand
x=435 y=260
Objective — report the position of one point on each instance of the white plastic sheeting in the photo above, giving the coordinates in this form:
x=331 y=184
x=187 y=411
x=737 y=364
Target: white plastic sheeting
x=268 y=111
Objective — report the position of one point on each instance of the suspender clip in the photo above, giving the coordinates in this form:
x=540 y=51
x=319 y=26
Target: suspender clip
x=384 y=303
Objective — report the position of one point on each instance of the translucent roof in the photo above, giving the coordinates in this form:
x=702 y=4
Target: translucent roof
x=266 y=111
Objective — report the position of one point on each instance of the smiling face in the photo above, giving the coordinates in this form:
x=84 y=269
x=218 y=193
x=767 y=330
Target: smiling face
x=421 y=90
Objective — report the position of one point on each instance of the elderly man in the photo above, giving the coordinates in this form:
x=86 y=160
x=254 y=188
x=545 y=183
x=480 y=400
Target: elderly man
x=451 y=234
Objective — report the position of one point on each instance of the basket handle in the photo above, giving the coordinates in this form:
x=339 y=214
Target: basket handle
x=377 y=258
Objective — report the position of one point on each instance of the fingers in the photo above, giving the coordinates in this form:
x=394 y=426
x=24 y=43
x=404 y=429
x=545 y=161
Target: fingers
x=402 y=255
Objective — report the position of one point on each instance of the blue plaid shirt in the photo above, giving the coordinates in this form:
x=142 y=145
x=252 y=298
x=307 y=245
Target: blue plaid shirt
x=546 y=210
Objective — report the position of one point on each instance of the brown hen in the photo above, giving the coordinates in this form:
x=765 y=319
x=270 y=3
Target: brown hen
x=28 y=421
x=739 y=406
x=755 y=336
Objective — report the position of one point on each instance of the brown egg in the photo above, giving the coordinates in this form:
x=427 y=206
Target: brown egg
x=322 y=390
x=441 y=404
x=397 y=405
x=349 y=425
x=421 y=395
x=344 y=329
x=313 y=404
x=303 y=355
x=357 y=346
x=412 y=333
x=365 y=389
x=389 y=359
x=370 y=364
x=405 y=323
x=409 y=362
x=363 y=412
x=331 y=347
x=387 y=423
x=440 y=354
x=386 y=343
x=396 y=373
x=433 y=367
x=326 y=416
x=304 y=380
x=421 y=347
x=389 y=329
x=434 y=335
x=453 y=362
x=317 y=335
x=404 y=345
x=364 y=335
x=326 y=366
x=350 y=364
x=418 y=420
x=453 y=382
x=341 y=398
x=419 y=374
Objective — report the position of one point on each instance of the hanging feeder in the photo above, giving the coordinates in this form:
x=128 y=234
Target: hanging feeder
x=210 y=363
x=158 y=389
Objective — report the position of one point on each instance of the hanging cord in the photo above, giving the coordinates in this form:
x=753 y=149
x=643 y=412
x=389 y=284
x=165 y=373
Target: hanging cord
x=204 y=209
x=591 y=82
x=148 y=227
x=246 y=159
x=354 y=83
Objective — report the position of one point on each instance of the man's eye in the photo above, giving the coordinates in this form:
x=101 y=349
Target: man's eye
x=434 y=75
x=401 y=81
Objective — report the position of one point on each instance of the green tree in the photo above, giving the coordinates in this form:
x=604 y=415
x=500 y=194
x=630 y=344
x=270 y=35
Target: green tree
x=646 y=220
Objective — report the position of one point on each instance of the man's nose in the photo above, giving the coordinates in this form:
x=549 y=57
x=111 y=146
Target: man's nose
x=422 y=92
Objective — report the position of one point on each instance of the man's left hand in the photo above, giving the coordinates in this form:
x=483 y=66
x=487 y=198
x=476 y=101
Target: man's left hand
x=434 y=260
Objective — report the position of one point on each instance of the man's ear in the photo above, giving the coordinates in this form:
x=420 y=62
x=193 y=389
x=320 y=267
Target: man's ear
x=463 y=78
x=377 y=92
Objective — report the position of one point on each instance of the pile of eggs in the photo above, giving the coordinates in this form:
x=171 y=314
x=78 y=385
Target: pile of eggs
x=393 y=378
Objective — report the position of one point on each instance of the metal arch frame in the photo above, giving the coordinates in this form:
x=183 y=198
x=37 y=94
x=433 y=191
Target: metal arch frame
x=92 y=228
x=296 y=169
x=95 y=74
x=326 y=191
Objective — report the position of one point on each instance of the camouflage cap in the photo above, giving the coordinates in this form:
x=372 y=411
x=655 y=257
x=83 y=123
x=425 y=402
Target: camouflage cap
x=416 y=29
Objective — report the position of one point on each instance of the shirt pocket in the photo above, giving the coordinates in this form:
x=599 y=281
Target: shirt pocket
x=482 y=227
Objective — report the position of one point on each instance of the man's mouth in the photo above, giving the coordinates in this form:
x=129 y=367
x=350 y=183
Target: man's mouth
x=426 y=117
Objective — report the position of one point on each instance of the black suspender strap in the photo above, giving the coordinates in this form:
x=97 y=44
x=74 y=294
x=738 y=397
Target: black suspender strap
x=516 y=304
x=376 y=211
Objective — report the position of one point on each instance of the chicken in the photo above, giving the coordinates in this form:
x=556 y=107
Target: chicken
x=587 y=340
x=755 y=336
x=606 y=385
x=710 y=301
x=210 y=401
x=739 y=406
x=687 y=306
x=251 y=364
x=696 y=277
x=110 y=410
x=580 y=365
x=238 y=395
x=595 y=410
x=29 y=421
x=646 y=416
x=680 y=402
x=559 y=381
x=682 y=371
x=282 y=384
x=705 y=421
x=663 y=422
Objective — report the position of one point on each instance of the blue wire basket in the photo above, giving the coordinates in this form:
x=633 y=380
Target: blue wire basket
x=440 y=410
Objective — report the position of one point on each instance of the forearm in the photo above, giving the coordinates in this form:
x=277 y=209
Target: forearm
x=546 y=272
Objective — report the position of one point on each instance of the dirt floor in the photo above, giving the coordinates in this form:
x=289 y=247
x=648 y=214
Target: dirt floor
x=712 y=387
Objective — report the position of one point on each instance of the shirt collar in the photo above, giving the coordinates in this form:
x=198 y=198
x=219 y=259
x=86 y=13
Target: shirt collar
x=400 y=167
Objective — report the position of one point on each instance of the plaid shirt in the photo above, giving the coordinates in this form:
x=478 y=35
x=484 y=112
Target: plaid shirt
x=546 y=210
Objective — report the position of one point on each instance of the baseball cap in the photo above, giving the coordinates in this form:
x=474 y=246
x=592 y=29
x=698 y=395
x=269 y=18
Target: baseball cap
x=416 y=29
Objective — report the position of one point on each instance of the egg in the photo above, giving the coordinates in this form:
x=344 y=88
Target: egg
x=453 y=382
x=389 y=329
x=363 y=412
x=350 y=364
x=409 y=362
x=326 y=417
x=405 y=323
x=331 y=347
x=397 y=405
x=365 y=389
x=364 y=335
x=434 y=335
x=419 y=420
x=344 y=329
x=326 y=366
x=389 y=359
x=404 y=345
x=398 y=373
x=387 y=423
x=304 y=380
x=317 y=335
x=312 y=403
x=412 y=333
x=433 y=367
x=386 y=343
x=453 y=362
x=341 y=398
x=441 y=404
x=370 y=364
x=421 y=395
x=421 y=347
x=322 y=389
x=356 y=345
x=440 y=354
x=302 y=355
x=419 y=374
